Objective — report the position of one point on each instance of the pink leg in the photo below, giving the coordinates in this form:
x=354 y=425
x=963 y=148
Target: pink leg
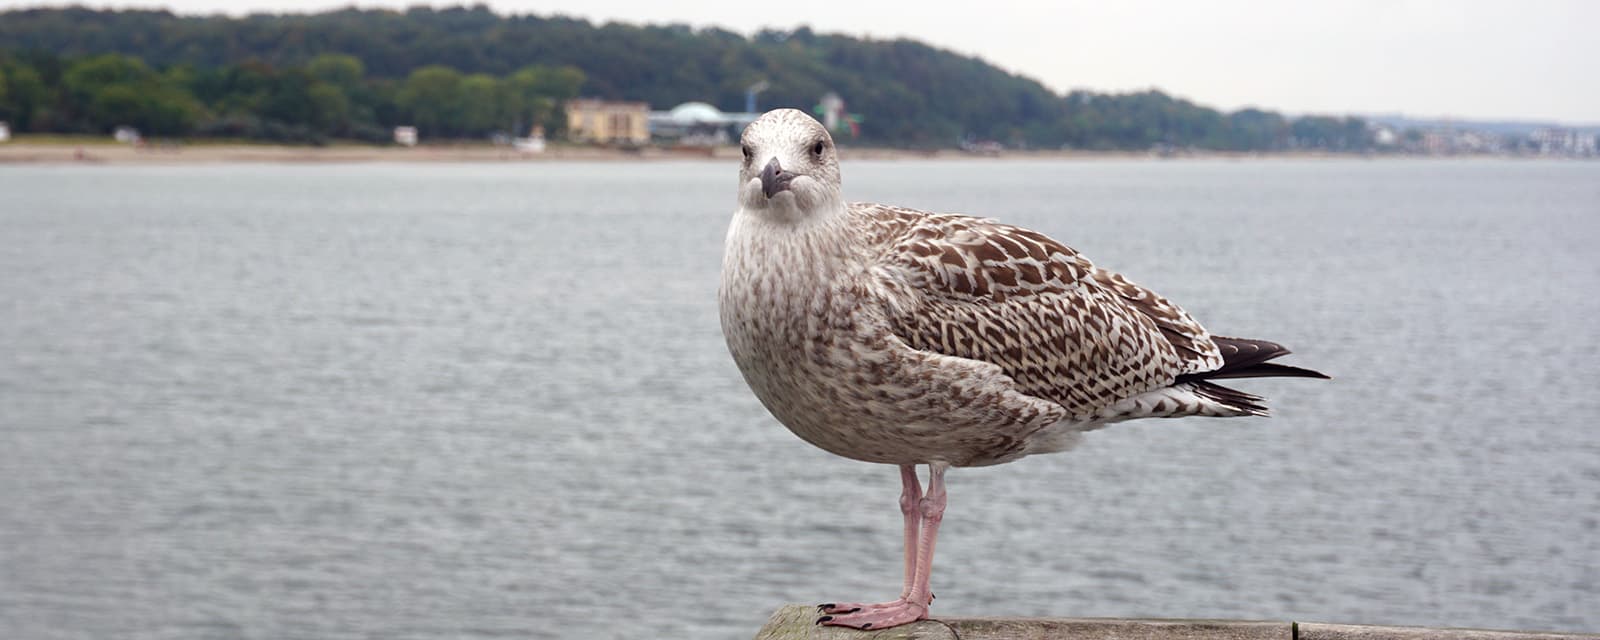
x=910 y=499
x=932 y=508
x=913 y=605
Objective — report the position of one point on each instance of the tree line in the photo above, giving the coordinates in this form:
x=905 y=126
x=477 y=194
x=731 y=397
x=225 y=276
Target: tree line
x=467 y=71
x=329 y=97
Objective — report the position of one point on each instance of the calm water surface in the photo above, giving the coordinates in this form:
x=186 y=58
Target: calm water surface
x=420 y=401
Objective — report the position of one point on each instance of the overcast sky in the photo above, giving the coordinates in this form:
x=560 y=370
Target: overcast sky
x=1481 y=59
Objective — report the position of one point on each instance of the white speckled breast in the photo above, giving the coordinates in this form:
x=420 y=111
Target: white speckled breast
x=809 y=331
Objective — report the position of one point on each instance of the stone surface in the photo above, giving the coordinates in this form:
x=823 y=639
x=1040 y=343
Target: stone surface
x=1319 y=631
x=793 y=622
x=797 y=622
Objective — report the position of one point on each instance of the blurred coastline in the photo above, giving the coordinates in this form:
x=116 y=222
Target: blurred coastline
x=67 y=150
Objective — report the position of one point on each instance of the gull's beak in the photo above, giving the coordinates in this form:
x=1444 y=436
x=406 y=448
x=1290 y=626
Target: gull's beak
x=774 y=178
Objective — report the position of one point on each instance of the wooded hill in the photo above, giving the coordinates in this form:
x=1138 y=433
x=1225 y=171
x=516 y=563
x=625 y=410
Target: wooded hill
x=466 y=72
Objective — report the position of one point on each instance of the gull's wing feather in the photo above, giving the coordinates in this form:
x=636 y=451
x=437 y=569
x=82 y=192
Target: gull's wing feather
x=1062 y=328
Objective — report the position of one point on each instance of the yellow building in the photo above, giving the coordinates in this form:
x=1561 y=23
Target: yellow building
x=603 y=121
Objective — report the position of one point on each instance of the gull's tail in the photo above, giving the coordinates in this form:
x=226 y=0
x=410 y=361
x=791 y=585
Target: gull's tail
x=1244 y=358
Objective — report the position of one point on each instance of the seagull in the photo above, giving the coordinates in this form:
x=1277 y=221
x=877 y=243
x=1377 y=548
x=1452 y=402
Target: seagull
x=903 y=337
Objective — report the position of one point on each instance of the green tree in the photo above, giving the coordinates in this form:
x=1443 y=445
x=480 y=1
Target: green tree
x=556 y=82
x=23 y=95
x=20 y=95
x=337 y=69
x=1254 y=129
x=1337 y=134
x=112 y=90
x=288 y=98
x=483 y=107
x=330 y=108
x=168 y=111
x=535 y=94
x=431 y=96
x=88 y=74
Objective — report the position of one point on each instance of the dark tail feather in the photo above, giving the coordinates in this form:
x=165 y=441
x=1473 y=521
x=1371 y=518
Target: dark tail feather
x=1247 y=402
x=1266 y=370
x=1242 y=358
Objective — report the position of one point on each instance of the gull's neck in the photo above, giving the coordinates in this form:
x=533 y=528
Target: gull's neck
x=819 y=241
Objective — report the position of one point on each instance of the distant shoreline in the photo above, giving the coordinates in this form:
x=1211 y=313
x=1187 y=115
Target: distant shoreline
x=97 y=153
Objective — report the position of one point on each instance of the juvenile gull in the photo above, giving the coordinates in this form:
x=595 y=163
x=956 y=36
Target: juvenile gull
x=904 y=337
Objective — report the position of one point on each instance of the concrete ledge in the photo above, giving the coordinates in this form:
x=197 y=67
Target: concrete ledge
x=1320 y=631
x=796 y=622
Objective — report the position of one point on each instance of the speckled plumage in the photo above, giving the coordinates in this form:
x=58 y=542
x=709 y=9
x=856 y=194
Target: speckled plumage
x=899 y=336
x=904 y=337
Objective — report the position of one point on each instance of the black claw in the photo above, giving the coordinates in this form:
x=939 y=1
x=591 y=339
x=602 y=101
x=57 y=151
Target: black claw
x=825 y=607
x=824 y=619
x=866 y=626
x=854 y=610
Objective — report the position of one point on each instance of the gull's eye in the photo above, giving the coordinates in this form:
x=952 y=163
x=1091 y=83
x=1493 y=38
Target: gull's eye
x=816 y=149
x=748 y=154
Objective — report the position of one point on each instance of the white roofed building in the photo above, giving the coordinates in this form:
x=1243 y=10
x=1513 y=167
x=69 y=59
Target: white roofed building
x=698 y=124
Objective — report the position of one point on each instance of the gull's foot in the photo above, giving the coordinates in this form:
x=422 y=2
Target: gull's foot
x=878 y=616
x=840 y=608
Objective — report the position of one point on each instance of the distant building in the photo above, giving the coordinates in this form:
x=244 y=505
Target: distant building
x=5 y=132
x=406 y=136
x=835 y=117
x=832 y=108
x=698 y=124
x=1443 y=141
x=126 y=135
x=534 y=143
x=1477 y=142
x=602 y=121
x=981 y=147
x=1559 y=141
x=1385 y=136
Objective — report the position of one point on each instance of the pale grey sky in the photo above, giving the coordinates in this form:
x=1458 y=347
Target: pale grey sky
x=1480 y=59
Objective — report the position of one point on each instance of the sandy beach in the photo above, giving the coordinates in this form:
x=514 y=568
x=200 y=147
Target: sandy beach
x=91 y=152
x=58 y=152
x=208 y=153
x=96 y=152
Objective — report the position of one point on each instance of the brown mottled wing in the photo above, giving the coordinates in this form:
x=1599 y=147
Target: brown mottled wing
x=1062 y=328
x=1193 y=343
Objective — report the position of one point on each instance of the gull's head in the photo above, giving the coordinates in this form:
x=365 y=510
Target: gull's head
x=789 y=166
